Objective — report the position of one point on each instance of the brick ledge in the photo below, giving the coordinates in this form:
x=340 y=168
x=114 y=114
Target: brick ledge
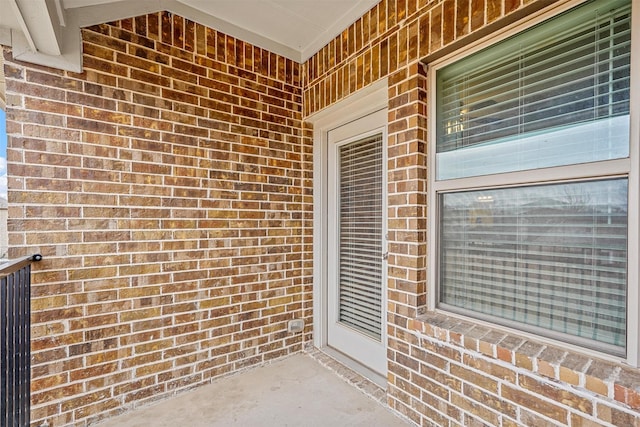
x=614 y=381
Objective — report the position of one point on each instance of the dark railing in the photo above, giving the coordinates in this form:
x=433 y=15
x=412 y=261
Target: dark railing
x=15 y=340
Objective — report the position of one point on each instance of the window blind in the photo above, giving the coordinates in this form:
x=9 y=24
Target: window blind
x=551 y=259
x=556 y=94
x=360 y=240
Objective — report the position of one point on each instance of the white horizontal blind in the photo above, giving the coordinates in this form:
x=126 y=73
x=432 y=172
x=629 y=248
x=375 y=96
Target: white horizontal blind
x=360 y=247
x=557 y=94
x=551 y=259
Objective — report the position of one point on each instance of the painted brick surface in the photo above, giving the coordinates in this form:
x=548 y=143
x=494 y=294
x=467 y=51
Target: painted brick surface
x=168 y=187
x=443 y=371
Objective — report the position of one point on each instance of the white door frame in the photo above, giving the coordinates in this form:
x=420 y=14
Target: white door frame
x=364 y=102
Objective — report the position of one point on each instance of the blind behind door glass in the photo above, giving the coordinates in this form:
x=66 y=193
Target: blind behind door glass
x=360 y=239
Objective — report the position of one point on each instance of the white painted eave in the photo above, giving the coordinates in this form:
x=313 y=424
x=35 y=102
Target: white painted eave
x=36 y=31
x=40 y=23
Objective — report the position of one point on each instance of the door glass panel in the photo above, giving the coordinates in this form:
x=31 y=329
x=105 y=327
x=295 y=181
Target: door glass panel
x=360 y=236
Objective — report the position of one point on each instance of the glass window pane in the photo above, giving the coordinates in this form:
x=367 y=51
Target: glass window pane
x=557 y=94
x=541 y=258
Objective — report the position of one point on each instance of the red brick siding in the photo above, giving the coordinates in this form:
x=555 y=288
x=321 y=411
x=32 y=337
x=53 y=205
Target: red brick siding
x=168 y=187
x=69 y=166
x=443 y=371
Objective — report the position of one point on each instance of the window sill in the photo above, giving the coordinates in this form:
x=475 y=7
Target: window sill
x=614 y=381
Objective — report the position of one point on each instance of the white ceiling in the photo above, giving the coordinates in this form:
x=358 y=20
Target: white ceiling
x=302 y=25
x=47 y=31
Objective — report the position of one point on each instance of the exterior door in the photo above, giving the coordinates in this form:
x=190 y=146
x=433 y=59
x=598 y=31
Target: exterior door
x=356 y=318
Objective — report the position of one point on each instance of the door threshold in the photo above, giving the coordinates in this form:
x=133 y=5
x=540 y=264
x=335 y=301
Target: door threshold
x=369 y=381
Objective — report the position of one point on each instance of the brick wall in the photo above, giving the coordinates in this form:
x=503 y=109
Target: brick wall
x=444 y=371
x=168 y=187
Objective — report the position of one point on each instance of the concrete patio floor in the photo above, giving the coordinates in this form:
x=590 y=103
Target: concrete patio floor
x=302 y=390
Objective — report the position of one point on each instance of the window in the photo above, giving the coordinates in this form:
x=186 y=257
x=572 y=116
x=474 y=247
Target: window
x=532 y=179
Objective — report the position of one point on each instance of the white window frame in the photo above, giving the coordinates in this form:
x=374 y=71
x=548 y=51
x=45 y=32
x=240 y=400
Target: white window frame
x=628 y=167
